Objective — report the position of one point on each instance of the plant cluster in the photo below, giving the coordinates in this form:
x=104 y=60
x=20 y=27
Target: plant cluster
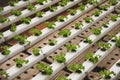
x=72 y=47
x=91 y=57
x=46 y=69
x=113 y=2
x=61 y=18
x=96 y=31
x=36 y=32
x=76 y=67
x=117 y=41
x=16 y=12
x=12 y=2
x=104 y=7
x=1 y=9
x=106 y=73
x=4 y=73
x=88 y=19
x=114 y=17
x=19 y=62
x=6 y=50
x=39 y=14
x=50 y=25
x=97 y=12
x=87 y=40
x=52 y=8
x=78 y=25
x=81 y=6
x=60 y=57
x=13 y=27
x=31 y=7
x=105 y=24
x=65 y=32
x=72 y=11
x=104 y=46
x=40 y=1
x=21 y=39
x=1 y=35
x=63 y=2
x=94 y=2
x=4 y=19
x=52 y=42
x=26 y=20
x=36 y=51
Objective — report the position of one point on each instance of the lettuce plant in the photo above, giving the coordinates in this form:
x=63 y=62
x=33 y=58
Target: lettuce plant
x=105 y=24
x=4 y=73
x=52 y=8
x=1 y=35
x=46 y=69
x=60 y=57
x=65 y=32
x=40 y=1
x=50 y=25
x=88 y=19
x=113 y=2
x=87 y=40
x=114 y=17
x=63 y=2
x=21 y=39
x=72 y=47
x=97 y=12
x=76 y=67
x=1 y=9
x=94 y=2
x=61 y=18
x=36 y=51
x=78 y=25
x=104 y=46
x=117 y=41
x=91 y=57
x=106 y=73
x=4 y=19
x=12 y=3
x=19 y=62
x=62 y=78
x=104 y=7
x=39 y=14
x=72 y=11
x=6 y=50
x=52 y=42
x=26 y=20
x=31 y=7
x=96 y=31
x=118 y=64
x=82 y=7
x=16 y=12
x=36 y=32
x=13 y=27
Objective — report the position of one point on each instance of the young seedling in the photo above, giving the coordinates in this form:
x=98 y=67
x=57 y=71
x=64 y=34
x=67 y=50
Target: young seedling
x=52 y=42
x=31 y=7
x=94 y=2
x=63 y=2
x=26 y=20
x=45 y=68
x=36 y=32
x=19 y=62
x=104 y=46
x=36 y=51
x=104 y=7
x=78 y=25
x=52 y=8
x=16 y=12
x=13 y=27
x=61 y=18
x=12 y=3
x=117 y=41
x=88 y=20
x=87 y=40
x=65 y=32
x=82 y=7
x=113 y=2
x=4 y=74
x=6 y=50
x=4 y=19
x=72 y=47
x=60 y=57
x=40 y=13
x=76 y=68
x=1 y=35
x=72 y=11
x=50 y=25
x=21 y=39
x=106 y=74
x=105 y=24
x=40 y=1
x=91 y=57
x=62 y=78
x=96 y=31
x=1 y=9
x=97 y=12
x=114 y=17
